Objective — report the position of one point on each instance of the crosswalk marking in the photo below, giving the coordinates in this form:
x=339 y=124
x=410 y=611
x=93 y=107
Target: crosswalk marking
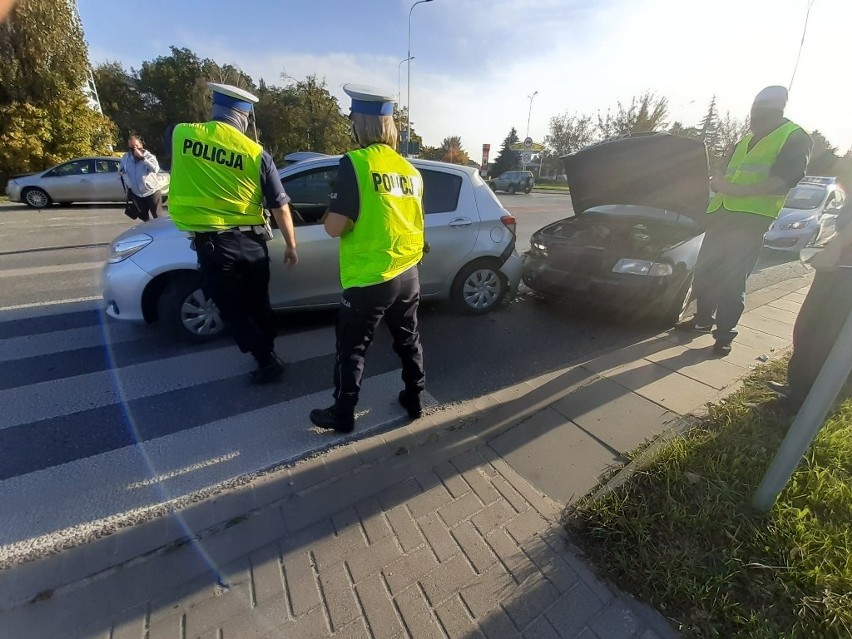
x=70 y=497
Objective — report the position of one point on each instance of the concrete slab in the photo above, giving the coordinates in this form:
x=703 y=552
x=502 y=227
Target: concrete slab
x=777 y=314
x=613 y=415
x=786 y=305
x=764 y=342
x=626 y=355
x=701 y=365
x=548 y=441
x=667 y=388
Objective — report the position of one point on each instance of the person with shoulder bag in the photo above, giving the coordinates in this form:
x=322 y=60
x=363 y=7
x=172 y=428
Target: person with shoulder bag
x=139 y=169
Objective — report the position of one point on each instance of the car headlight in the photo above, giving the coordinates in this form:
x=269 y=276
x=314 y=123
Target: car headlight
x=122 y=249
x=642 y=267
x=538 y=246
x=798 y=224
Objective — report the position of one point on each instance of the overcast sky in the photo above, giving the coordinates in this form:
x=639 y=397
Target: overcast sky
x=477 y=61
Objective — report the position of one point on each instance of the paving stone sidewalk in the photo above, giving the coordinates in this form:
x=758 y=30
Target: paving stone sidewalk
x=439 y=528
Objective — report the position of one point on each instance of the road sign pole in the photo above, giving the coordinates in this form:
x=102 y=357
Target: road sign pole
x=809 y=420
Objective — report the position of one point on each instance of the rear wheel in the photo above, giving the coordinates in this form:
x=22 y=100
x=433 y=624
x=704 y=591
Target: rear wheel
x=187 y=314
x=37 y=198
x=479 y=287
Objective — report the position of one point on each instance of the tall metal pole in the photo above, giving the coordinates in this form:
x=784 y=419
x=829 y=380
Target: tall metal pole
x=399 y=86
x=535 y=93
x=408 y=117
x=808 y=421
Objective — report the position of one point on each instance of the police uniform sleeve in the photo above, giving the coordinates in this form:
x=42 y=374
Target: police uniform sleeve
x=270 y=183
x=792 y=161
x=344 y=198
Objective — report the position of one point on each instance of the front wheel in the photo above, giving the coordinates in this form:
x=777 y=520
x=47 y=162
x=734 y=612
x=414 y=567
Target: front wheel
x=479 y=287
x=37 y=198
x=676 y=312
x=187 y=314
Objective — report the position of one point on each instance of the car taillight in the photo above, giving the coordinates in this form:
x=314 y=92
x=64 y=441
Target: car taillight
x=510 y=223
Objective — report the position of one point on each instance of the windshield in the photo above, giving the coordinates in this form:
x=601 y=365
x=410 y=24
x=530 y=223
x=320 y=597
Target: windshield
x=804 y=197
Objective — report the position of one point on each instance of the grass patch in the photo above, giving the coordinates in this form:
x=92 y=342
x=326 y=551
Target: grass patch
x=681 y=534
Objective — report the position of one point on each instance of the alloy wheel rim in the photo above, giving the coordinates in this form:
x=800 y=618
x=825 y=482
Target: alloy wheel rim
x=481 y=289
x=199 y=315
x=37 y=199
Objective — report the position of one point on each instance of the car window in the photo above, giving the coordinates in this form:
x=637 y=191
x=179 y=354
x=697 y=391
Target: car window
x=106 y=166
x=440 y=191
x=309 y=192
x=804 y=197
x=77 y=167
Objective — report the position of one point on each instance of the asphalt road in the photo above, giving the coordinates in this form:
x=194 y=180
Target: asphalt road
x=92 y=406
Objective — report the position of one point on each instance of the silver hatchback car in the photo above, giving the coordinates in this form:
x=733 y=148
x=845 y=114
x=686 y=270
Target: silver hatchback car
x=151 y=273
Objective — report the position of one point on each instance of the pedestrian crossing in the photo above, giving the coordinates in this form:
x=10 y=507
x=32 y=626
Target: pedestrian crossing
x=104 y=422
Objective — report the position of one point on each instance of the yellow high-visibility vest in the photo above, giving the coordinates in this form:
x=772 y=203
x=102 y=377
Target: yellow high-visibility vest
x=215 y=178
x=387 y=239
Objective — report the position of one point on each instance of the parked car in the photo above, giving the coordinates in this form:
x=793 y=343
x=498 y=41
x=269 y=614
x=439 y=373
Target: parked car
x=639 y=204
x=512 y=181
x=93 y=179
x=808 y=217
x=151 y=272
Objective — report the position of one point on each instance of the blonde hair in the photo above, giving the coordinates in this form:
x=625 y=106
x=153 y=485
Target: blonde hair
x=371 y=129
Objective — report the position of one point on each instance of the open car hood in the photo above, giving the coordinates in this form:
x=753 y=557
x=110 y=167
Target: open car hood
x=650 y=169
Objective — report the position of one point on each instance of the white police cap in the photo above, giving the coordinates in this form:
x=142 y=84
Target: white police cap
x=232 y=97
x=370 y=100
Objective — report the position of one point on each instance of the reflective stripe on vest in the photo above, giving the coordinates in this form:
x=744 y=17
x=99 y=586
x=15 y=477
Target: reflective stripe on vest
x=753 y=166
x=215 y=178
x=387 y=239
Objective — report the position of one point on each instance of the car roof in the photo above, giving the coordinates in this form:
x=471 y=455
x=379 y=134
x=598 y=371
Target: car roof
x=324 y=161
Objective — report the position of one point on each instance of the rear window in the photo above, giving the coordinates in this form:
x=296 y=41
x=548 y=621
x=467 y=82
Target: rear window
x=440 y=191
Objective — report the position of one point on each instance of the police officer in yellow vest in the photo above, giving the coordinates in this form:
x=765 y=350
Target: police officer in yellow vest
x=220 y=181
x=765 y=165
x=377 y=212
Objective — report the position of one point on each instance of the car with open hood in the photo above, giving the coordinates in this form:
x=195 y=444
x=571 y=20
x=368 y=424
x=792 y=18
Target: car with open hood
x=152 y=274
x=633 y=242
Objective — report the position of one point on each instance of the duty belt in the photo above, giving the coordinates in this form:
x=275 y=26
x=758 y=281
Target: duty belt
x=258 y=228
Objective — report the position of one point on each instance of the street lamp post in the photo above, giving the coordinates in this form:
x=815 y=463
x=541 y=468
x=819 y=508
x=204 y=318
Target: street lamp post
x=408 y=118
x=399 y=86
x=529 y=114
x=530 y=97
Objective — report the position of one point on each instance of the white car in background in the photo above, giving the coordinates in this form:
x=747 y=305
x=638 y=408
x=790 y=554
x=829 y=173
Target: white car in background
x=151 y=273
x=809 y=215
x=92 y=179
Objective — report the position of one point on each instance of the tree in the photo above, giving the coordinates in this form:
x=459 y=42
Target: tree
x=507 y=159
x=120 y=100
x=645 y=113
x=568 y=134
x=452 y=151
x=729 y=131
x=45 y=116
x=318 y=122
x=709 y=128
x=677 y=128
x=824 y=159
x=400 y=117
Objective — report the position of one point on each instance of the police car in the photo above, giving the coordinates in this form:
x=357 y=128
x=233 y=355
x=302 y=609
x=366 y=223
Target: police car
x=808 y=217
x=151 y=273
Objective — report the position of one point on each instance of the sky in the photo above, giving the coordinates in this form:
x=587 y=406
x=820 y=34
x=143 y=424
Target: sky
x=477 y=62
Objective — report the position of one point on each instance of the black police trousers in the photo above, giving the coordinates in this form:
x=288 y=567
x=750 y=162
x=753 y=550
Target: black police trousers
x=818 y=324
x=729 y=252
x=361 y=310
x=234 y=269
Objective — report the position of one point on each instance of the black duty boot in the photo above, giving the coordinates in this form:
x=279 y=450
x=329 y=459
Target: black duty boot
x=411 y=403
x=692 y=325
x=335 y=418
x=722 y=347
x=267 y=371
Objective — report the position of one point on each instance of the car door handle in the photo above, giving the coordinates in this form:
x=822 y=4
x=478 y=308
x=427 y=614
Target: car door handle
x=461 y=221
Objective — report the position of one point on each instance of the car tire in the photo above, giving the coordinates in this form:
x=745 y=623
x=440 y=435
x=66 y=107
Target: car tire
x=527 y=190
x=187 y=314
x=36 y=198
x=677 y=310
x=511 y=189
x=479 y=287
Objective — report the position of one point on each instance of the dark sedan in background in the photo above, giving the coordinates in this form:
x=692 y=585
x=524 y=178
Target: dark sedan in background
x=633 y=243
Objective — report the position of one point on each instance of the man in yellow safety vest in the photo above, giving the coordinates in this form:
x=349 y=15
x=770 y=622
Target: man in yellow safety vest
x=765 y=164
x=220 y=182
